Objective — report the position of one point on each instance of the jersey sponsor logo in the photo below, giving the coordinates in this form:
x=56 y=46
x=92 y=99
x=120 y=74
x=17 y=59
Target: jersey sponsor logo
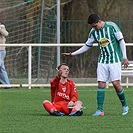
x=63 y=95
x=104 y=42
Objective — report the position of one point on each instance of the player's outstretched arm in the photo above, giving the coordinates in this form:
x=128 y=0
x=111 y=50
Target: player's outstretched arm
x=77 y=52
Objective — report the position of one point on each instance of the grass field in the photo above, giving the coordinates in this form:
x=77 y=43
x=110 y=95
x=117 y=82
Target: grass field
x=21 y=111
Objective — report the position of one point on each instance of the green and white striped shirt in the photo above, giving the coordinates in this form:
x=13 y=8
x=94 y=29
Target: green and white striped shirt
x=108 y=39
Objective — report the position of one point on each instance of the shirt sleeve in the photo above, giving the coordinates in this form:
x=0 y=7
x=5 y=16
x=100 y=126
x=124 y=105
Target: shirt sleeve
x=90 y=41
x=74 y=93
x=119 y=35
x=117 y=31
x=88 y=44
x=54 y=82
x=54 y=85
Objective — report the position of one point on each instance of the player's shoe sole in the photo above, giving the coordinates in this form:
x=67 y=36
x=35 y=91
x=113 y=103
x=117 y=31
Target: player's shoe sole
x=98 y=113
x=78 y=113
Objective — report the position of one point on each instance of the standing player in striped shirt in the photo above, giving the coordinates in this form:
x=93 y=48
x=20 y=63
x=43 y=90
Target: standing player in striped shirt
x=112 y=54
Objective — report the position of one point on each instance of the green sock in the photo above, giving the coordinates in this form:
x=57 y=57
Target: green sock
x=122 y=98
x=100 y=98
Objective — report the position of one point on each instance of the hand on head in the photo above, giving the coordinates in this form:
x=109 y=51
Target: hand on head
x=59 y=72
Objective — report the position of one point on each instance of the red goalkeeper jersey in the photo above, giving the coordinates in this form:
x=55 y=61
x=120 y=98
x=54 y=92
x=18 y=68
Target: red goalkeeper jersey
x=63 y=92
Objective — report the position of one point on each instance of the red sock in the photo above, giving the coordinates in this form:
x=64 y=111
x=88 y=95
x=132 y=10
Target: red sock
x=48 y=106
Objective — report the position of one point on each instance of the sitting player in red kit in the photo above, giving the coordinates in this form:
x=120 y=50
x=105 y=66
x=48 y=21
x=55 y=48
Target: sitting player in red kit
x=64 y=96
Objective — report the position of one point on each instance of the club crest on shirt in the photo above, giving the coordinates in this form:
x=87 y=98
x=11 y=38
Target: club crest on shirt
x=104 y=42
x=63 y=88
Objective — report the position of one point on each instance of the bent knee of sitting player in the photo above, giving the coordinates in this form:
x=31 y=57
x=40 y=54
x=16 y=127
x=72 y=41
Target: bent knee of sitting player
x=46 y=103
x=48 y=106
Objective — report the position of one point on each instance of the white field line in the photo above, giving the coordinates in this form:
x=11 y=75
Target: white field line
x=43 y=90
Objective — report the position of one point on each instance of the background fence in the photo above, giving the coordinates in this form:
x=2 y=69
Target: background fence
x=44 y=61
x=24 y=68
x=34 y=21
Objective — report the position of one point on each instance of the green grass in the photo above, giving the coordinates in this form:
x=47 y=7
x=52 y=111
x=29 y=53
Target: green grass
x=21 y=111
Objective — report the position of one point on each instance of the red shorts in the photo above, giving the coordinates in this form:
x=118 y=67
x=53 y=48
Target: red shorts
x=62 y=106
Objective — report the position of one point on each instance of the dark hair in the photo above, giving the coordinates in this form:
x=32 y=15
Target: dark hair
x=62 y=65
x=93 y=18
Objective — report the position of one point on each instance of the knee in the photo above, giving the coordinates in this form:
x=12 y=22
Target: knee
x=117 y=86
x=101 y=84
x=46 y=102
